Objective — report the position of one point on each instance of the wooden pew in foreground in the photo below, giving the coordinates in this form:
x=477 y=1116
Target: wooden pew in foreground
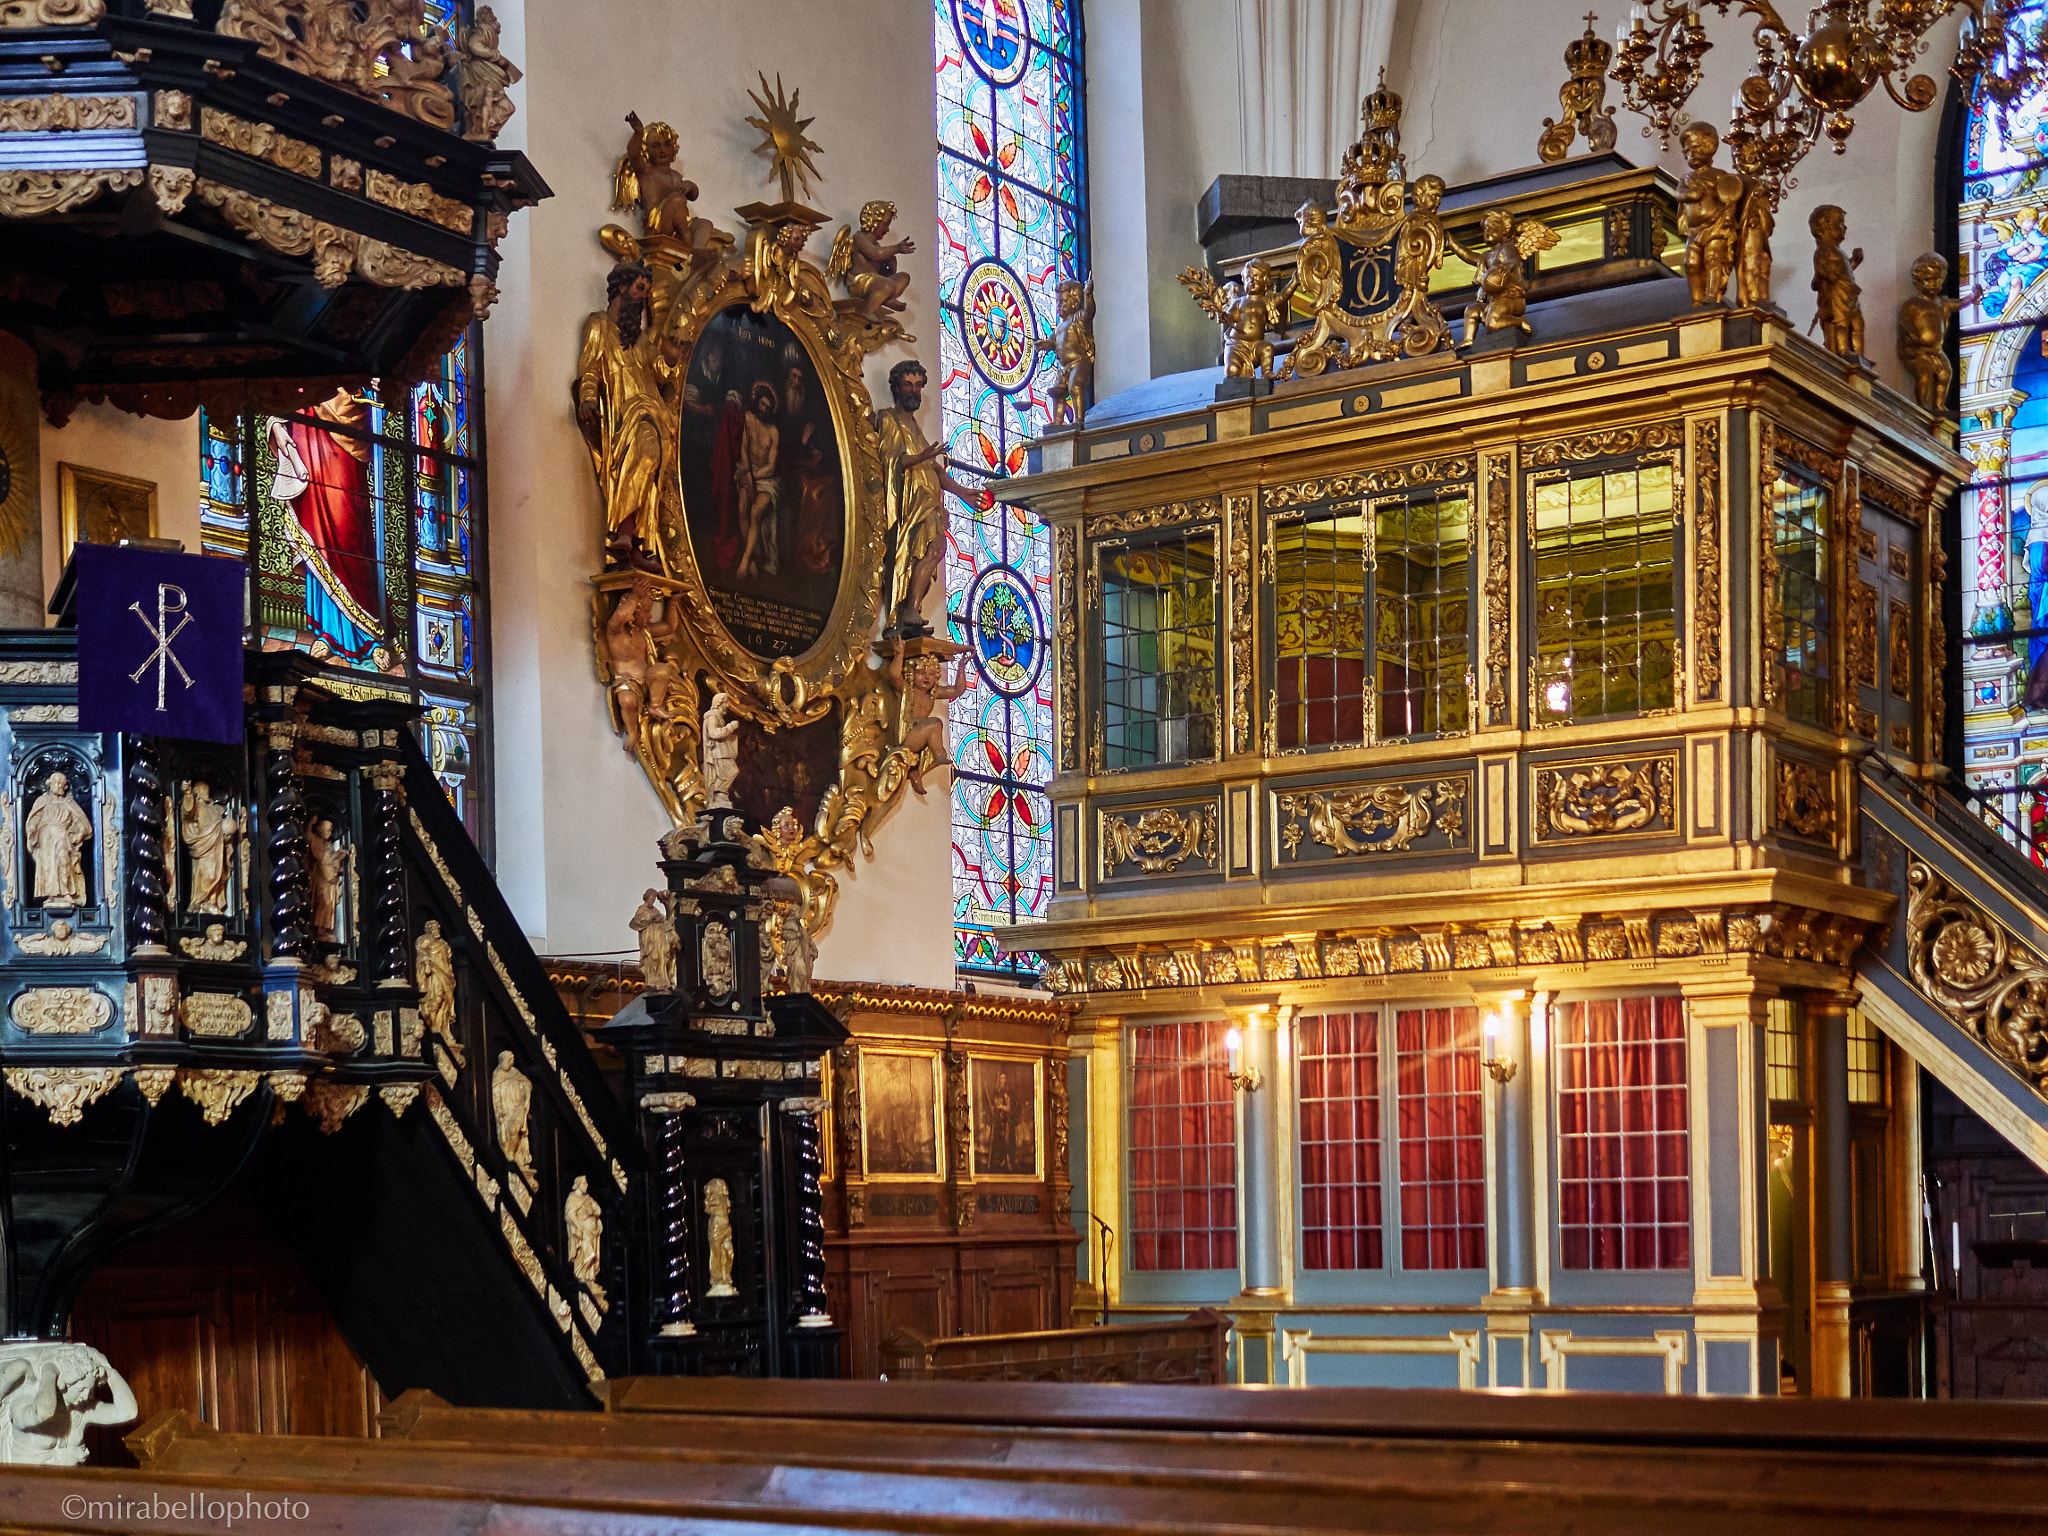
x=1180 y=1351
x=701 y=1458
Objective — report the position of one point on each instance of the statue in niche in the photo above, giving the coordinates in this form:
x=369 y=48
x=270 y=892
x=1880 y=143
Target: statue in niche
x=1923 y=331
x=209 y=829
x=865 y=261
x=921 y=679
x=721 y=752
x=715 y=960
x=584 y=1218
x=1246 y=309
x=329 y=857
x=657 y=930
x=57 y=831
x=916 y=507
x=50 y=1395
x=1501 y=299
x=433 y=966
x=511 y=1101
x=627 y=407
x=796 y=951
x=1072 y=345
x=718 y=1238
x=640 y=678
x=486 y=76
x=1839 y=312
x=647 y=179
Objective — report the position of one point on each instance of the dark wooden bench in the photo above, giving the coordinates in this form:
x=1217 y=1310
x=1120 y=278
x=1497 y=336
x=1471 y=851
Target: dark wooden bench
x=1187 y=1350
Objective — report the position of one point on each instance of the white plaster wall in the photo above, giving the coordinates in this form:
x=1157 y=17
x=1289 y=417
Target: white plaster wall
x=1480 y=76
x=142 y=447
x=576 y=821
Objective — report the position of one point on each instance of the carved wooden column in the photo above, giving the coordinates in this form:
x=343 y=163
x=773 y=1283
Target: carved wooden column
x=1827 y=1016
x=809 y=1304
x=959 y=1127
x=390 y=940
x=672 y=1215
x=289 y=908
x=144 y=888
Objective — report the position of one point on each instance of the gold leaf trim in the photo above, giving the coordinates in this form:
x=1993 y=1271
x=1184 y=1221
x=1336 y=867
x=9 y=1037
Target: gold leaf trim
x=1395 y=477
x=260 y=141
x=65 y=114
x=1613 y=444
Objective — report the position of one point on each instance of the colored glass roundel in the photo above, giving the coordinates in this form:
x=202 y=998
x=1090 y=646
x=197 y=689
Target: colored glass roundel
x=999 y=329
x=1004 y=625
x=992 y=36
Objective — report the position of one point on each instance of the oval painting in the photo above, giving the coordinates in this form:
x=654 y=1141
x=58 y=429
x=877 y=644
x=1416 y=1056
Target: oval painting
x=764 y=491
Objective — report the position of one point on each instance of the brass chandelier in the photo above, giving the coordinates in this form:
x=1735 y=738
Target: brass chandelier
x=1806 y=84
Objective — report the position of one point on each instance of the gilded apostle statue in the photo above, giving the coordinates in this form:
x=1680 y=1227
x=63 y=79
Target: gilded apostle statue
x=916 y=504
x=627 y=389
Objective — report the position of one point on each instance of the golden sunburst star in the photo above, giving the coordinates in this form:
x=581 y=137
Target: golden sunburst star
x=784 y=138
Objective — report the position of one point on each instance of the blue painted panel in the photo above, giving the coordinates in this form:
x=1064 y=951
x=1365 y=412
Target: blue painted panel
x=1724 y=1148
x=1727 y=1367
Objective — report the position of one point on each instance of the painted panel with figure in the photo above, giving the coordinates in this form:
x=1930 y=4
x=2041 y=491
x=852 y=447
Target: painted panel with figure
x=763 y=486
x=1006 y=1096
x=900 y=1128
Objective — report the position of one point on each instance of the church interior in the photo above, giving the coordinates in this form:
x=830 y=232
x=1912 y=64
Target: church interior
x=1263 y=764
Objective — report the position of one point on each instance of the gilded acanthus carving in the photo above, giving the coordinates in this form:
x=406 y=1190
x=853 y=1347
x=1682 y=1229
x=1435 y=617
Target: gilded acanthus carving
x=1068 y=599
x=1862 y=636
x=1159 y=840
x=330 y=1103
x=66 y=1092
x=1385 y=818
x=1604 y=799
x=1706 y=614
x=384 y=50
x=1806 y=799
x=1770 y=624
x=51 y=13
x=1613 y=444
x=1242 y=657
x=217 y=1091
x=1937 y=648
x=259 y=140
x=57 y=114
x=1172 y=515
x=336 y=252
x=1991 y=985
x=419 y=200
x=1498 y=596
x=1395 y=477
x=24 y=194
x=62 y=1010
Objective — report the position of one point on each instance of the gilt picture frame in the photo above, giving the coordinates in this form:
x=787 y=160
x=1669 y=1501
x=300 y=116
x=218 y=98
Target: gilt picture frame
x=902 y=1115
x=1006 y=1105
x=96 y=506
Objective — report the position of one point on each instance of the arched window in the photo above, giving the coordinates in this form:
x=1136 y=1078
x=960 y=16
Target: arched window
x=2002 y=246
x=362 y=524
x=1012 y=227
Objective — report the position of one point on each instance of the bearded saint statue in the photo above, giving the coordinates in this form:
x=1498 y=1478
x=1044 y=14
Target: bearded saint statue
x=626 y=403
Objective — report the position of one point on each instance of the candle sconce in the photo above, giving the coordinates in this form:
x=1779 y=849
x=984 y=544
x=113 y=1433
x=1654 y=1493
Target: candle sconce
x=1498 y=1067
x=1243 y=1079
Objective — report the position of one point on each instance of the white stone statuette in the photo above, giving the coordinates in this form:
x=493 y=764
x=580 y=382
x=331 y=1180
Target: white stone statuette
x=210 y=831
x=511 y=1100
x=584 y=1218
x=57 y=831
x=721 y=753
x=329 y=856
x=657 y=930
x=51 y=1392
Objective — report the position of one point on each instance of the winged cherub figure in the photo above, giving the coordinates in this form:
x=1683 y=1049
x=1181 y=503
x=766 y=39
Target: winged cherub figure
x=1501 y=297
x=1247 y=310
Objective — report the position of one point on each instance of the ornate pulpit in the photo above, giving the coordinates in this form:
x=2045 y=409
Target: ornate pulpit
x=727 y=1082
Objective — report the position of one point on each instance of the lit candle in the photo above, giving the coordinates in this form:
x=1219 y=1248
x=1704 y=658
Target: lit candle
x=1233 y=1047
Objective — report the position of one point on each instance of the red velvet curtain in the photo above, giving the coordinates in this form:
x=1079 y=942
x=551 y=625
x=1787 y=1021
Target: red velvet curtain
x=1624 y=1178
x=1339 y=1066
x=1333 y=689
x=1441 y=1120
x=1183 y=1149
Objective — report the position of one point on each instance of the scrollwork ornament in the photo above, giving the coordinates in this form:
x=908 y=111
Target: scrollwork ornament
x=1139 y=520
x=1497 y=590
x=1992 y=987
x=1386 y=818
x=1161 y=839
x=65 y=1092
x=1068 y=598
x=1605 y=799
x=1616 y=443
x=51 y=13
x=1304 y=493
x=1242 y=658
x=1806 y=799
x=1706 y=470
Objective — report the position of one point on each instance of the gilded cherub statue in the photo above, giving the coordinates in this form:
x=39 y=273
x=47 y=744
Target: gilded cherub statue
x=1839 y=313
x=1319 y=289
x=1072 y=343
x=1500 y=298
x=865 y=261
x=1247 y=310
x=1419 y=247
x=921 y=680
x=646 y=178
x=1726 y=219
x=1923 y=331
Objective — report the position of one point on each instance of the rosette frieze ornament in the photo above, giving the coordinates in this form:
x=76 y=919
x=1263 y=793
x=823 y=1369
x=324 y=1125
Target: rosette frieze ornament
x=771 y=529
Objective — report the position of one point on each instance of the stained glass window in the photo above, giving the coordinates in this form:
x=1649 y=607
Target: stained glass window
x=2002 y=245
x=1012 y=227
x=361 y=522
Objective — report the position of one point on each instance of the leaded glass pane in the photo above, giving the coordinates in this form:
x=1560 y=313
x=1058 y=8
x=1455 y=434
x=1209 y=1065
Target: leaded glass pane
x=1159 y=678
x=1010 y=230
x=1604 y=616
x=1799 y=515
